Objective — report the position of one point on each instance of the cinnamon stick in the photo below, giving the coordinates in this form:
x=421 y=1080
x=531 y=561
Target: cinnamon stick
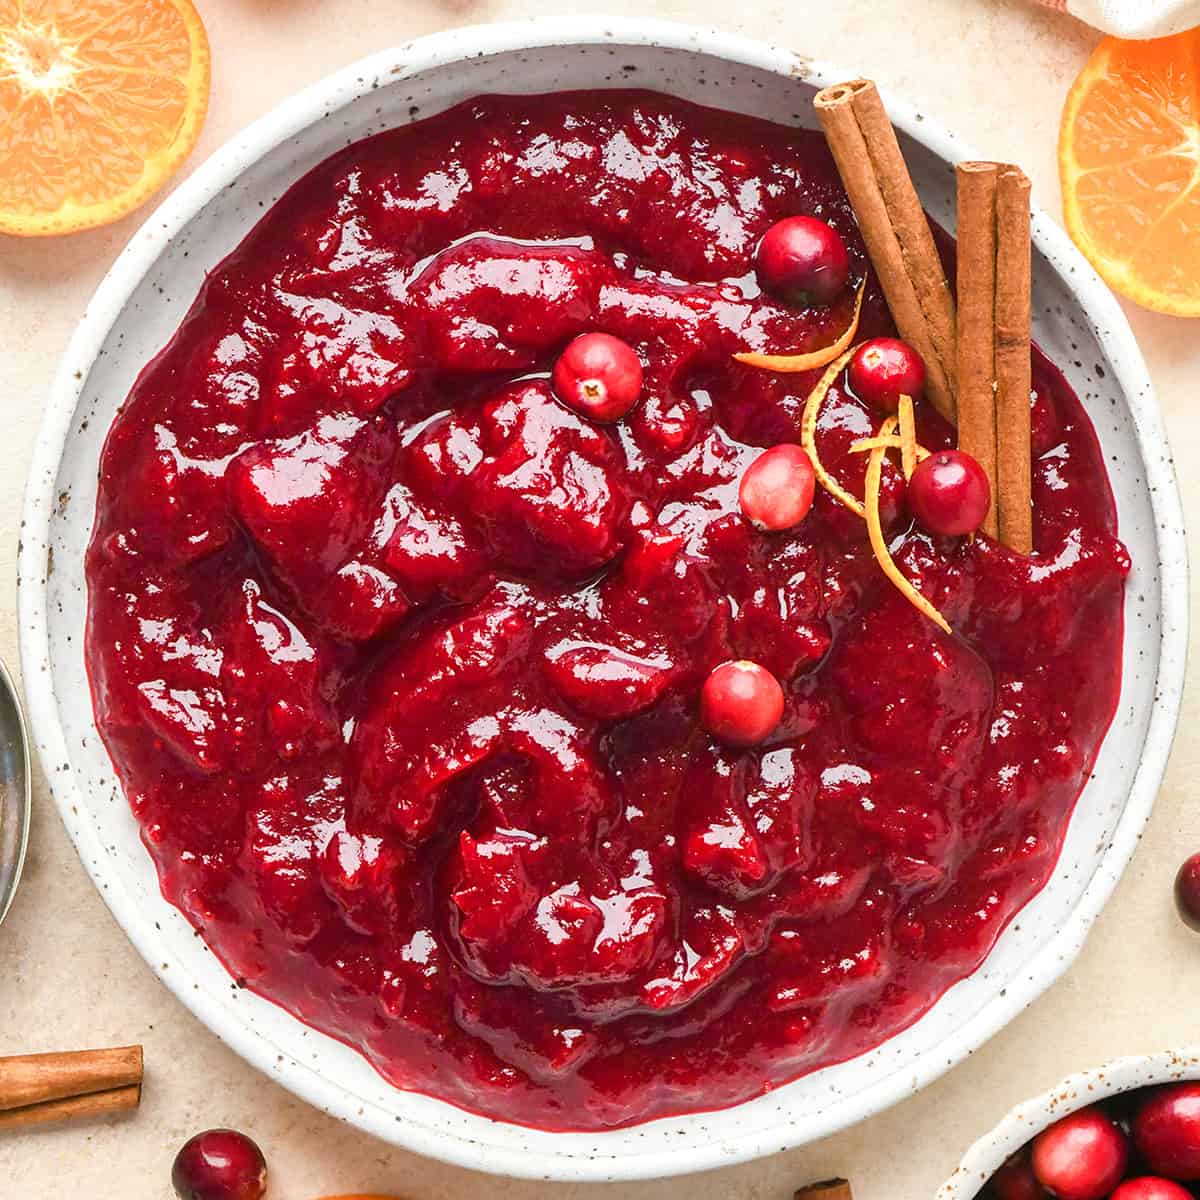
x=1013 y=364
x=828 y=1189
x=994 y=290
x=894 y=228
x=94 y=1104
x=48 y=1087
x=977 y=322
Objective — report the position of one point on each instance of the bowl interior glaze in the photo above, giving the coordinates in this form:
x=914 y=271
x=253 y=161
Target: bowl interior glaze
x=137 y=309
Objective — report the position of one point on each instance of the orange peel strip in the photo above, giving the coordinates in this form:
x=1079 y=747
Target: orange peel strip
x=888 y=428
x=875 y=533
x=808 y=434
x=791 y=363
x=908 y=437
x=886 y=443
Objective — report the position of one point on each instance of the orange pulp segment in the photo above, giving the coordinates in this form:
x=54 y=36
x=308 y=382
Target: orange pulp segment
x=1129 y=160
x=100 y=102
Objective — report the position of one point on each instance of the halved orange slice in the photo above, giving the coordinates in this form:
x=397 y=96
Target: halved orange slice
x=1129 y=160
x=100 y=102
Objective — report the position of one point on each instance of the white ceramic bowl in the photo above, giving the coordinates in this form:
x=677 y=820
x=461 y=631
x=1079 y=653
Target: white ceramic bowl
x=137 y=308
x=1028 y=1119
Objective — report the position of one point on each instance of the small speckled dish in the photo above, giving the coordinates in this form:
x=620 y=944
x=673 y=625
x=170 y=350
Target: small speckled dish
x=137 y=308
x=1028 y=1119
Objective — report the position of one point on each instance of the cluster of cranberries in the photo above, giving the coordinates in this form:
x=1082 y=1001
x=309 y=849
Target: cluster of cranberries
x=949 y=492
x=802 y=260
x=1145 y=1146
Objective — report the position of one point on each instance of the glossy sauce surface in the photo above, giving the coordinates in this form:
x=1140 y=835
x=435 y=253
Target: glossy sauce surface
x=398 y=659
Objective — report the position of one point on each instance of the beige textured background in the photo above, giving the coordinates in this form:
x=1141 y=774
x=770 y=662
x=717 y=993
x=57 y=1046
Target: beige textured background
x=996 y=71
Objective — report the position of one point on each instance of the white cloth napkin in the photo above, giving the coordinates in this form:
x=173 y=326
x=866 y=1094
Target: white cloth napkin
x=1134 y=18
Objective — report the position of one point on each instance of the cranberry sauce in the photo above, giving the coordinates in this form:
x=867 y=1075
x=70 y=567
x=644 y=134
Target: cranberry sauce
x=399 y=658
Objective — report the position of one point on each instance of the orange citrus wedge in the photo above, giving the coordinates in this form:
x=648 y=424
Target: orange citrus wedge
x=1129 y=160
x=100 y=102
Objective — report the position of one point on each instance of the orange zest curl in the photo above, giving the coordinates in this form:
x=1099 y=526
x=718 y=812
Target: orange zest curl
x=886 y=443
x=808 y=434
x=886 y=438
x=791 y=363
x=908 y=437
x=875 y=532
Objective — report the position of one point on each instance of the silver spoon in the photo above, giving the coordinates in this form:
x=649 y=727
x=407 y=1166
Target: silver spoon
x=15 y=788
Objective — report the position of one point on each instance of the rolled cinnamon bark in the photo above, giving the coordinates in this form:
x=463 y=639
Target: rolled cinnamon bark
x=37 y=1078
x=80 y=1083
x=977 y=322
x=828 y=1189
x=894 y=228
x=95 y=1104
x=1013 y=363
x=994 y=301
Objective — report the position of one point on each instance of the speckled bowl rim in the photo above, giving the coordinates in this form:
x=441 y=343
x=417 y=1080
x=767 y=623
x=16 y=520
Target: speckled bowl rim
x=663 y=1155
x=1027 y=1119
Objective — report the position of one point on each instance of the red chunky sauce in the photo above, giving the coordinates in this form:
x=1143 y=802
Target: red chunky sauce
x=398 y=659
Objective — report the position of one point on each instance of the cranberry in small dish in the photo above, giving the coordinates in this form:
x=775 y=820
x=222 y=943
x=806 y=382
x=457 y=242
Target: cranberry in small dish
x=534 y=659
x=1141 y=1144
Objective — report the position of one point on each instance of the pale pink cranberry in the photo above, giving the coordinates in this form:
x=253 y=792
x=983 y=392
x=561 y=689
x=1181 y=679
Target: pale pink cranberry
x=1015 y=1180
x=1081 y=1157
x=802 y=260
x=776 y=491
x=599 y=376
x=1187 y=891
x=1166 y=1131
x=219 y=1164
x=949 y=493
x=884 y=369
x=741 y=703
x=1151 y=1187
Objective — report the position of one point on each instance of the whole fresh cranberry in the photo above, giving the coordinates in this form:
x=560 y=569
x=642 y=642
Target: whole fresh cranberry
x=219 y=1164
x=803 y=261
x=741 y=702
x=1015 y=1180
x=1151 y=1187
x=949 y=493
x=599 y=376
x=1081 y=1157
x=1187 y=891
x=776 y=491
x=884 y=369
x=1166 y=1131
